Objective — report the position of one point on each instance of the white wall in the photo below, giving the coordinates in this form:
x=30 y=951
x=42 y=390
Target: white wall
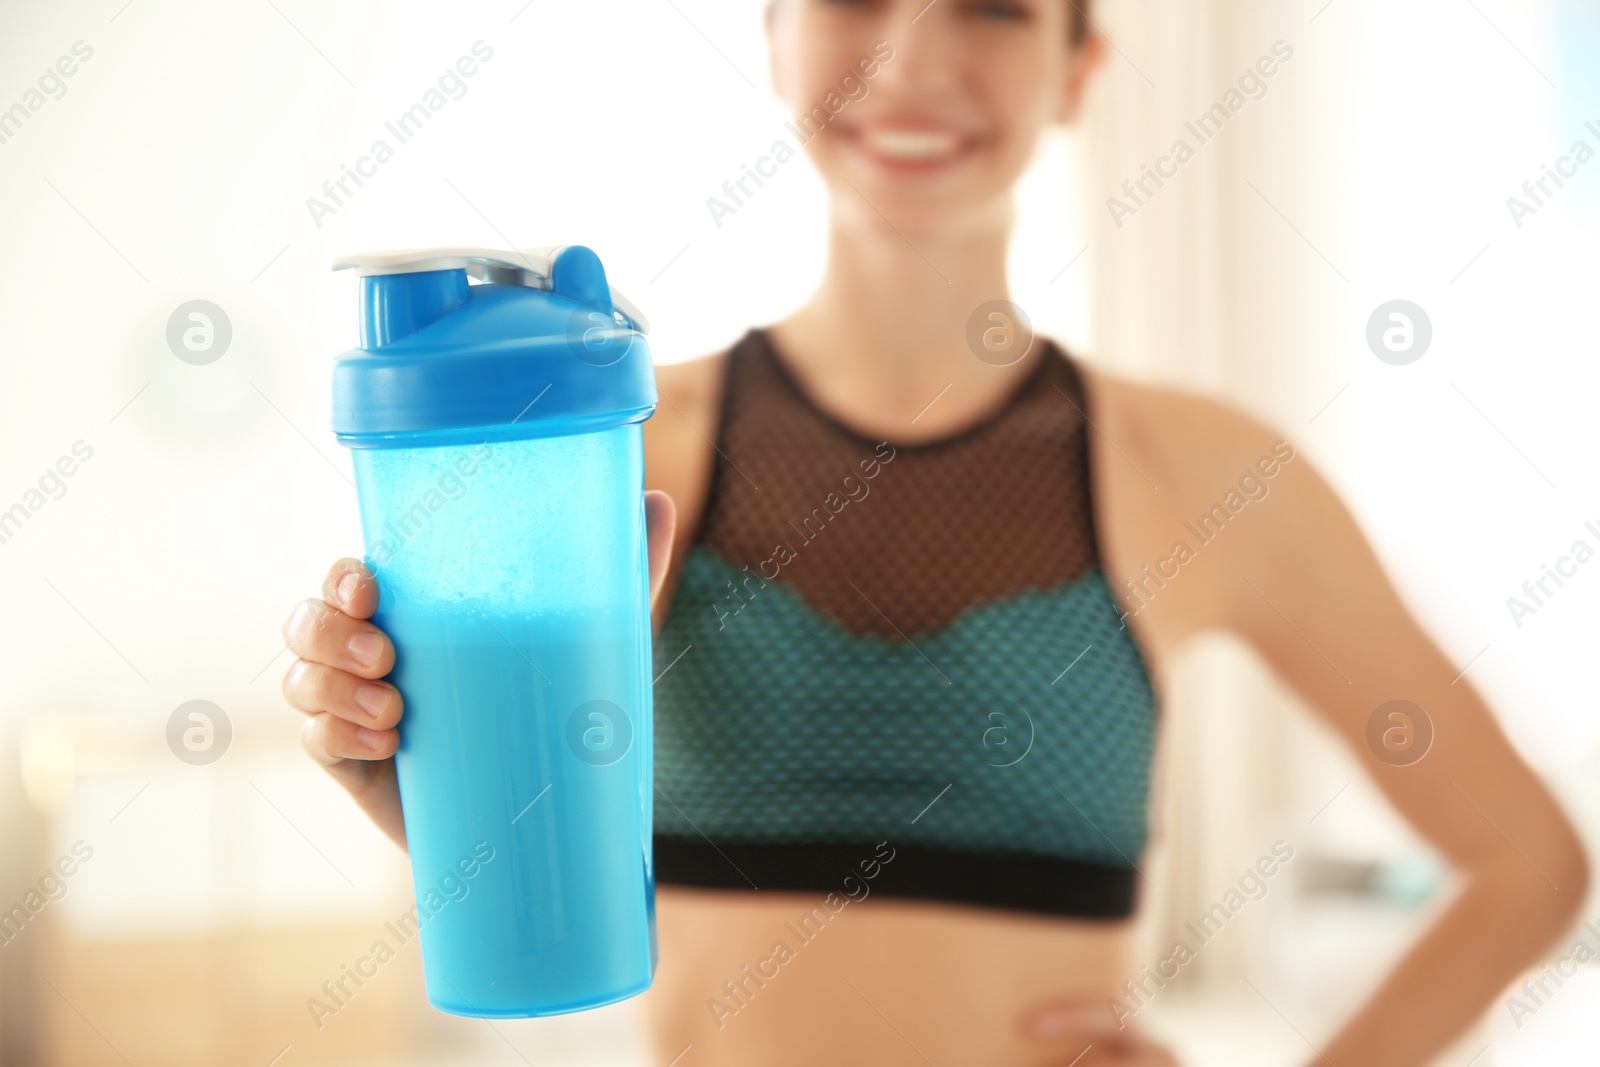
x=178 y=162
x=190 y=142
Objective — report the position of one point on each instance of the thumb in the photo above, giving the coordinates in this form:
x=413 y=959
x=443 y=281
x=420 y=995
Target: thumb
x=1069 y=1018
x=661 y=525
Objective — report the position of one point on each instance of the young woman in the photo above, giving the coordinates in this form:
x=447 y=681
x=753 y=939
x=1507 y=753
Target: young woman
x=882 y=545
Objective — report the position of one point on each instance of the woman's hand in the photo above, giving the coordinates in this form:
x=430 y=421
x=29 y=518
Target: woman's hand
x=1072 y=1032
x=337 y=679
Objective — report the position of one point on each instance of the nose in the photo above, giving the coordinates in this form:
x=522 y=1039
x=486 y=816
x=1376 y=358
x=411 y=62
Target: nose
x=924 y=38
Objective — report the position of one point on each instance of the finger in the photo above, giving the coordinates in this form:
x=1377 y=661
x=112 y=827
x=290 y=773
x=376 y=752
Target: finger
x=351 y=588
x=1087 y=1034
x=313 y=687
x=322 y=634
x=1129 y=1048
x=1116 y=1053
x=661 y=522
x=1070 y=1018
x=330 y=740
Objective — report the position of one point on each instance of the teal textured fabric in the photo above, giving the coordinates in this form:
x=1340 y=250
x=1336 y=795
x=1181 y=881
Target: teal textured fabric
x=1024 y=726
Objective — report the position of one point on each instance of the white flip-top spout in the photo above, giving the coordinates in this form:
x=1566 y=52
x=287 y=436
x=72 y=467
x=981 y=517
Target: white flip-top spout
x=526 y=266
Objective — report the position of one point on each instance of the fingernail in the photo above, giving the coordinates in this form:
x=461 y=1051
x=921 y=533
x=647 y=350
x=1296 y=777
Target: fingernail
x=347 y=588
x=371 y=698
x=365 y=647
x=371 y=740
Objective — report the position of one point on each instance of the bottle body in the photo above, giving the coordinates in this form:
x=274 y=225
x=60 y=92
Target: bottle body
x=513 y=579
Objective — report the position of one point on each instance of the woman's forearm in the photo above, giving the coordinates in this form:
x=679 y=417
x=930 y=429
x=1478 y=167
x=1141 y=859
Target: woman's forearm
x=1507 y=916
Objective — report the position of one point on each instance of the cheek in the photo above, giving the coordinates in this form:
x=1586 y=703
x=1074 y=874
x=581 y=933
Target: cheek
x=1029 y=98
x=814 y=53
x=1022 y=88
x=1020 y=109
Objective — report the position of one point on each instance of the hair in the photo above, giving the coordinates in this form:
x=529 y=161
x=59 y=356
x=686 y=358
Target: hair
x=1080 y=21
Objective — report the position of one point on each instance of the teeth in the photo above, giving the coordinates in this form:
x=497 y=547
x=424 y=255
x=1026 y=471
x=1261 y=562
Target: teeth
x=911 y=144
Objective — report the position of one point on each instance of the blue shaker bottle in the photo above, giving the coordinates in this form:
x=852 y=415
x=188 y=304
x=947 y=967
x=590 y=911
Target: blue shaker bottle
x=496 y=437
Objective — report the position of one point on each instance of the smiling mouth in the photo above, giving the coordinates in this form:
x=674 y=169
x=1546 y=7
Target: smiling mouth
x=908 y=149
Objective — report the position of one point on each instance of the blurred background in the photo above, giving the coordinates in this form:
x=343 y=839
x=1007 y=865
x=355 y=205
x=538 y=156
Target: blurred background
x=211 y=896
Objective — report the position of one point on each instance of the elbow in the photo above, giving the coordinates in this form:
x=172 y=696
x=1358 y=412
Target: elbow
x=1560 y=884
x=1572 y=876
x=1544 y=882
x=1570 y=872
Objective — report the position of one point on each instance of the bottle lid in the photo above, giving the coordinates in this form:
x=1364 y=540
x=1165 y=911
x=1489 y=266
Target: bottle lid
x=542 y=346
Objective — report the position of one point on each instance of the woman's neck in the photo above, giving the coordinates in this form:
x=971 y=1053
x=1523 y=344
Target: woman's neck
x=886 y=333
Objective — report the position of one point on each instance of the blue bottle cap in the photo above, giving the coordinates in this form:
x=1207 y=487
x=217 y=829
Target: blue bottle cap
x=542 y=347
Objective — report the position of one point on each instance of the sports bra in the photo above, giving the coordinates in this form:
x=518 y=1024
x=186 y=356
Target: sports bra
x=903 y=651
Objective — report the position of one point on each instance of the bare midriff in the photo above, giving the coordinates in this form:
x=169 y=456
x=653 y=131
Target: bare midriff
x=880 y=981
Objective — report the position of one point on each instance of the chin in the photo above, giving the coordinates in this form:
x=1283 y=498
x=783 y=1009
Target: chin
x=918 y=210
x=944 y=196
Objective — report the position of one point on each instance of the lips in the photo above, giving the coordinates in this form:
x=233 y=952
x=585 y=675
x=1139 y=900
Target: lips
x=915 y=146
x=911 y=147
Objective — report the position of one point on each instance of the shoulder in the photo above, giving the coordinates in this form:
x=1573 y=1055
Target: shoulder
x=693 y=385
x=1188 y=438
x=678 y=438
x=1187 y=484
x=690 y=397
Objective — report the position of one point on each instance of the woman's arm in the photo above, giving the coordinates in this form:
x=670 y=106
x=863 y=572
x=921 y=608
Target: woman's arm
x=678 y=452
x=352 y=715
x=1292 y=574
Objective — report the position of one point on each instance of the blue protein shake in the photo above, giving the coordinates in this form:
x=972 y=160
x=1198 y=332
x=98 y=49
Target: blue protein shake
x=496 y=437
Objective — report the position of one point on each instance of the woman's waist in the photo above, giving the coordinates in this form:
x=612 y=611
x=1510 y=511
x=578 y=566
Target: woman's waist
x=757 y=978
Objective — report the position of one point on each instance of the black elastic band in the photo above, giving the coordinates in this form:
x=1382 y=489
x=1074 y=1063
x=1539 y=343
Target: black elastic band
x=1015 y=881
